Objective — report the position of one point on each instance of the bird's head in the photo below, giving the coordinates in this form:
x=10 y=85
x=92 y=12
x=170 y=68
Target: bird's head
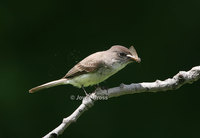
x=124 y=54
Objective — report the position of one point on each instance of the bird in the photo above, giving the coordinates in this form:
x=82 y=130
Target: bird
x=95 y=68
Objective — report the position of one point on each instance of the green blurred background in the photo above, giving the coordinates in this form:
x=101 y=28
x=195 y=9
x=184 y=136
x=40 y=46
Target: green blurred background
x=41 y=40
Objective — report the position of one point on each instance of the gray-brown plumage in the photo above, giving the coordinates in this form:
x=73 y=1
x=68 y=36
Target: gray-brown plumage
x=95 y=68
x=89 y=64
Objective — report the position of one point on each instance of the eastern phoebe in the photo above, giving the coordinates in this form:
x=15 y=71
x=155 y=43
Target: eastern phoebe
x=95 y=68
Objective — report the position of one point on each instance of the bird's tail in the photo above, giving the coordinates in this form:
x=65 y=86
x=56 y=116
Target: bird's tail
x=48 y=85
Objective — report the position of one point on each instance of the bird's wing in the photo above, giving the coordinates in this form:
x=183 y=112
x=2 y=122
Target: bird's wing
x=89 y=64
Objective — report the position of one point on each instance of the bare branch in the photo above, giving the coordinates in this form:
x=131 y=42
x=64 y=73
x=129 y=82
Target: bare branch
x=169 y=84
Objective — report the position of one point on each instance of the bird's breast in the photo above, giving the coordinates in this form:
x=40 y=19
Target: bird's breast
x=96 y=77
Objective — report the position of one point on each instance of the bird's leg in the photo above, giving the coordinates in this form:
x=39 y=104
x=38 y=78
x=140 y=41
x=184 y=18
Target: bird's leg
x=84 y=91
x=105 y=88
x=97 y=87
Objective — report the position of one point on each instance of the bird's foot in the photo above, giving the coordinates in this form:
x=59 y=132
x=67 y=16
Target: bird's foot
x=98 y=87
x=102 y=90
x=104 y=87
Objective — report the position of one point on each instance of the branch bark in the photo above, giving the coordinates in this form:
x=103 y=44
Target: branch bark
x=169 y=84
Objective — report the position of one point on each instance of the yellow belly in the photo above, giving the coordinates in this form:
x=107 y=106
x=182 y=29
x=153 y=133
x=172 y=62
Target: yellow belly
x=86 y=80
x=93 y=78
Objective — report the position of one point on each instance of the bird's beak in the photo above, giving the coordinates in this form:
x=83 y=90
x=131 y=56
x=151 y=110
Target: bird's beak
x=137 y=59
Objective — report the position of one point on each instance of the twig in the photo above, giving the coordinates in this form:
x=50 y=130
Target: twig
x=169 y=84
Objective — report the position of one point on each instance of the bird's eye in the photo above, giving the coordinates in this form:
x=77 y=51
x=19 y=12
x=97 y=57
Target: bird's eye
x=122 y=54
